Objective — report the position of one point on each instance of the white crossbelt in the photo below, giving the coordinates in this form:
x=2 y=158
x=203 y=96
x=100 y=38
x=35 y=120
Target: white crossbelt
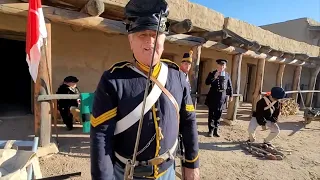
x=270 y=105
x=169 y=153
x=134 y=116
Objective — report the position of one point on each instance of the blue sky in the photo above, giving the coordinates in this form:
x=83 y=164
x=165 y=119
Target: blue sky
x=262 y=12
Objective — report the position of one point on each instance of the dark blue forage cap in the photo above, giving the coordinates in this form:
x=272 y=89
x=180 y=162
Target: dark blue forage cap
x=278 y=92
x=141 y=15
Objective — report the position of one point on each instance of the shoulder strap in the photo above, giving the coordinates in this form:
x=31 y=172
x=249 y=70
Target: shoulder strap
x=169 y=95
x=270 y=105
x=134 y=116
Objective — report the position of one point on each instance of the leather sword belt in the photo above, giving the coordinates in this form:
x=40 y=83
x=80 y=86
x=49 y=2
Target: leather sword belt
x=154 y=161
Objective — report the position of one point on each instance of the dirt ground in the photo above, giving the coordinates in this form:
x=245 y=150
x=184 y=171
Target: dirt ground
x=220 y=158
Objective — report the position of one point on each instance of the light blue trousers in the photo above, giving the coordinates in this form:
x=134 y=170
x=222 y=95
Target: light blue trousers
x=169 y=175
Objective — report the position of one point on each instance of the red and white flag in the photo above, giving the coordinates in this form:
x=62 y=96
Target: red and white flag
x=36 y=32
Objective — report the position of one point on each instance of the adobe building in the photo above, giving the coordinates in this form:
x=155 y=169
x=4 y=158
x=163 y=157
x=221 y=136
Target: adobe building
x=305 y=30
x=87 y=36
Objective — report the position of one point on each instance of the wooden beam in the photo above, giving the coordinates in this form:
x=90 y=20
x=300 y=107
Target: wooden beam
x=236 y=79
x=302 y=57
x=276 y=53
x=312 y=84
x=93 y=8
x=296 y=81
x=196 y=56
x=181 y=27
x=43 y=86
x=265 y=49
x=213 y=35
x=280 y=74
x=258 y=83
x=288 y=55
x=65 y=16
x=254 y=46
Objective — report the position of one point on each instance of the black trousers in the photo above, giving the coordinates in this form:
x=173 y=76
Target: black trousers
x=66 y=117
x=214 y=118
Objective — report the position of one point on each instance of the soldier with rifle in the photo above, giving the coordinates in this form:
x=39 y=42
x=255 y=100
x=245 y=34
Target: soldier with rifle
x=142 y=106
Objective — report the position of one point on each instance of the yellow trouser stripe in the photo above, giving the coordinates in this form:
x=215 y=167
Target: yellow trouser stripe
x=103 y=117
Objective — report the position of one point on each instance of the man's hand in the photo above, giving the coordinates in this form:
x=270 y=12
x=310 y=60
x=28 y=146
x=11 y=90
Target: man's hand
x=191 y=174
x=230 y=98
x=216 y=75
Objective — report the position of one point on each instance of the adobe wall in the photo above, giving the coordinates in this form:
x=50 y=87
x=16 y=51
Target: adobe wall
x=183 y=9
x=273 y=40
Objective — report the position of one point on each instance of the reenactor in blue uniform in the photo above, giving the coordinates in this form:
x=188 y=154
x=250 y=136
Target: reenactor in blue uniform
x=266 y=114
x=220 y=90
x=118 y=102
x=185 y=65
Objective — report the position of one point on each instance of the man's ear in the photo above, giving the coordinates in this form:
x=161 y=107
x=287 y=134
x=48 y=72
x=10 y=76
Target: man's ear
x=130 y=38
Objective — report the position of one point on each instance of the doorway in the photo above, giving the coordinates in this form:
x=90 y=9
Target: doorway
x=248 y=90
x=15 y=79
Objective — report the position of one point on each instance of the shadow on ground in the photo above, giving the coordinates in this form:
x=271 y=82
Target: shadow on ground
x=71 y=143
x=220 y=146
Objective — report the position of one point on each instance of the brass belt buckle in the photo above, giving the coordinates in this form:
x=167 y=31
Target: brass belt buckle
x=156 y=161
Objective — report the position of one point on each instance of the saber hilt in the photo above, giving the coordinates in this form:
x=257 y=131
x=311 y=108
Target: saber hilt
x=130 y=165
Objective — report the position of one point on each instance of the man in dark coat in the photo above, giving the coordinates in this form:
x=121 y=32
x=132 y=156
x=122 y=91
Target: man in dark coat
x=69 y=86
x=266 y=114
x=220 y=91
x=118 y=102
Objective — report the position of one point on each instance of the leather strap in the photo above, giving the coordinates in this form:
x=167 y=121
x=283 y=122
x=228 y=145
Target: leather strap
x=154 y=161
x=134 y=116
x=169 y=95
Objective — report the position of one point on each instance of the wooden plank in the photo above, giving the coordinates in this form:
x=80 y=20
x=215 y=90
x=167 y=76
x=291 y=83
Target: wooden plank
x=296 y=81
x=57 y=96
x=235 y=78
x=280 y=74
x=258 y=82
x=312 y=84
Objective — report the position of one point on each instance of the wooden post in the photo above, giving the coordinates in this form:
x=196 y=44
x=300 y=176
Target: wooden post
x=312 y=84
x=280 y=74
x=259 y=83
x=43 y=86
x=196 y=56
x=296 y=82
x=235 y=78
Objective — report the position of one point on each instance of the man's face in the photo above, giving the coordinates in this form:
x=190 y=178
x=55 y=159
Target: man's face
x=185 y=67
x=142 y=44
x=72 y=84
x=221 y=67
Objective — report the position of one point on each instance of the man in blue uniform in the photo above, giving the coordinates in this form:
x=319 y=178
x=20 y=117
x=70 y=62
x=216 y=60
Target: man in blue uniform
x=220 y=91
x=118 y=102
x=185 y=65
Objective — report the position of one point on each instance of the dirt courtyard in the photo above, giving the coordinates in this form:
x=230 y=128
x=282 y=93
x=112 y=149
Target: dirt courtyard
x=220 y=158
